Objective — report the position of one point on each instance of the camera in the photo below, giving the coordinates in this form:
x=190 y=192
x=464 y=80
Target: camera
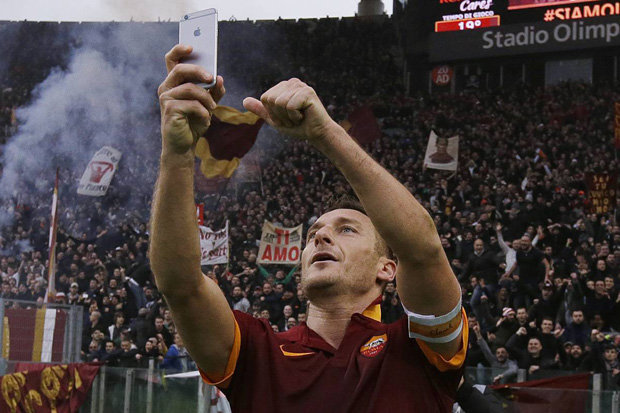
x=186 y=17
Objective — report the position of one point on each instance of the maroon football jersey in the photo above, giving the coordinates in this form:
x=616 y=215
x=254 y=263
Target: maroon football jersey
x=377 y=368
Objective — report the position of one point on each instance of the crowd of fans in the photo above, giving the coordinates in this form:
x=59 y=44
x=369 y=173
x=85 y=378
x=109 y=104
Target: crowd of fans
x=539 y=272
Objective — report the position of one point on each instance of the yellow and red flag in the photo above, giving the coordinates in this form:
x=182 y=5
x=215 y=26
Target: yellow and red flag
x=51 y=270
x=230 y=136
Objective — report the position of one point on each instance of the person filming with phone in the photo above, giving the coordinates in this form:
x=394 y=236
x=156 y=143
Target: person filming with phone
x=342 y=359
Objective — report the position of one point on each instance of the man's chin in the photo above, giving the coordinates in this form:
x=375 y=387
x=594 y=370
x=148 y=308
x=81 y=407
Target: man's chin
x=316 y=282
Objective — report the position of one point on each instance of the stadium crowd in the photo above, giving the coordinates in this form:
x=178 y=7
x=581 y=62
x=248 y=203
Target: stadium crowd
x=540 y=274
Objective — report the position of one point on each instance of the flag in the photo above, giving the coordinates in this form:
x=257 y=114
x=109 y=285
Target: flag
x=541 y=396
x=362 y=125
x=34 y=334
x=47 y=388
x=230 y=136
x=51 y=270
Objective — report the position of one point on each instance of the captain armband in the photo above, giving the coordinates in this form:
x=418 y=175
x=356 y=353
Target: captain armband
x=432 y=329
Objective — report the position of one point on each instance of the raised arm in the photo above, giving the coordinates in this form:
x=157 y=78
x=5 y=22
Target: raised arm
x=426 y=283
x=199 y=308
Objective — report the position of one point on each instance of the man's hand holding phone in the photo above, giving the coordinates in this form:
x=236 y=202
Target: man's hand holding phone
x=186 y=108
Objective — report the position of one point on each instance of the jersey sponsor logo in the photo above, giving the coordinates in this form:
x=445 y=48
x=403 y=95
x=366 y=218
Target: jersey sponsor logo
x=292 y=353
x=374 y=346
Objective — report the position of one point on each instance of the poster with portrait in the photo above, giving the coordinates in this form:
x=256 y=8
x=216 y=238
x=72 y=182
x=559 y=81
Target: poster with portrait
x=99 y=172
x=442 y=153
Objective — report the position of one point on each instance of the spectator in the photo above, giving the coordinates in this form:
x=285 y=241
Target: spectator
x=577 y=331
x=505 y=370
x=177 y=358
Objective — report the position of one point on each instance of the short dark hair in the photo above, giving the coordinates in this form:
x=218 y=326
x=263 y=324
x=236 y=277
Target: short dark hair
x=348 y=201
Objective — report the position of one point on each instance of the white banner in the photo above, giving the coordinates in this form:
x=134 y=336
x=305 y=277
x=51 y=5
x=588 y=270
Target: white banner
x=99 y=172
x=442 y=153
x=280 y=245
x=213 y=245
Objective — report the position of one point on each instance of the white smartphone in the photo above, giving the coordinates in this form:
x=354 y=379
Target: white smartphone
x=199 y=30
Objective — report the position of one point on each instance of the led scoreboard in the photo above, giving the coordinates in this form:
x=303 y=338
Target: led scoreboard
x=466 y=24
x=465 y=15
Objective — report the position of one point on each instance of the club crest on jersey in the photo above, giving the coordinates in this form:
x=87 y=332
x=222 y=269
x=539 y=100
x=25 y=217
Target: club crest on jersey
x=374 y=346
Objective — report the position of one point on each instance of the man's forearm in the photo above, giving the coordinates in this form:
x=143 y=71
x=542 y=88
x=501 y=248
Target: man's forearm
x=175 y=245
x=404 y=224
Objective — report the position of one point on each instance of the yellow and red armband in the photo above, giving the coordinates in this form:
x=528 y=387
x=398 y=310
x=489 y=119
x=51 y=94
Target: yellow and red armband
x=436 y=329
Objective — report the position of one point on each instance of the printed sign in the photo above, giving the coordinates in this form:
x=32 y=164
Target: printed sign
x=280 y=245
x=99 y=172
x=442 y=75
x=214 y=245
x=602 y=192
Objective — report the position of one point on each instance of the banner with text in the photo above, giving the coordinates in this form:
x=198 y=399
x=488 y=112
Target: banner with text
x=214 y=245
x=99 y=172
x=47 y=388
x=280 y=245
x=602 y=192
x=442 y=153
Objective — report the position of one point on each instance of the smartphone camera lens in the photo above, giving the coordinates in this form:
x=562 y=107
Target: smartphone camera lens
x=186 y=17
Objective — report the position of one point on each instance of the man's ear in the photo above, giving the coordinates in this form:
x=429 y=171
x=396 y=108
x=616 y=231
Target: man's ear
x=386 y=270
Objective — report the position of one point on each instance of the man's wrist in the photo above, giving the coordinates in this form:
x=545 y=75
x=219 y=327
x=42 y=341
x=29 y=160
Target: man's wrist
x=170 y=159
x=329 y=133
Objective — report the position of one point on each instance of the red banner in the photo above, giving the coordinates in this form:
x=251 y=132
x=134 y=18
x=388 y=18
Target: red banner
x=200 y=213
x=602 y=192
x=545 y=395
x=46 y=387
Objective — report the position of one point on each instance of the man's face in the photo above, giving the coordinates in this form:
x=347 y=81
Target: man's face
x=159 y=323
x=534 y=346
x=236 y=292
x=611 y=354
x=478 y=246
x=609 y=283
x=599 y=287
x=267 y=289
x=125 y=345
x=526 y=243
x=577 y=317
x=546 y=326
x=501 y=354
x=521 y=315
x=600 y=265
x=109 y=347
x=340 y=254
x=288 y=311
x=576 y=351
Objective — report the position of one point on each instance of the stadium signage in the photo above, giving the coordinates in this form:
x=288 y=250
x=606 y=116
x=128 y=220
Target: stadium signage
x=524 y=39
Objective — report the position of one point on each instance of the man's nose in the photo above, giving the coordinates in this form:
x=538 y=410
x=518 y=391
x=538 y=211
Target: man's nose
x=323 y=235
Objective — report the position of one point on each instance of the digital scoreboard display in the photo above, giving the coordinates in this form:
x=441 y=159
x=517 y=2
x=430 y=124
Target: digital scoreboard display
x=527 y=4
x=465 y=15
